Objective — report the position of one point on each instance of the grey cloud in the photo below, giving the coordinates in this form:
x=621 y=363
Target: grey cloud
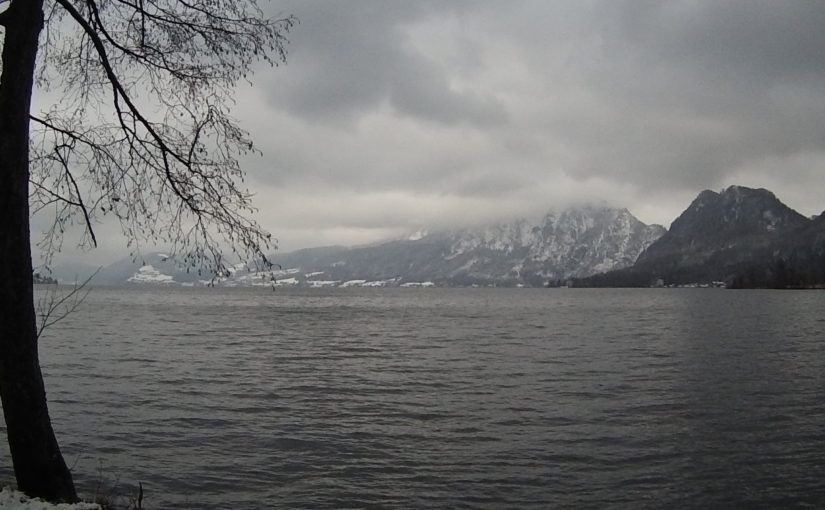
x=738 y=68
x=391 y=112
x=348 y=59
x=650 y=100
x=684 y=94
x=419 y=91
x=765 y=39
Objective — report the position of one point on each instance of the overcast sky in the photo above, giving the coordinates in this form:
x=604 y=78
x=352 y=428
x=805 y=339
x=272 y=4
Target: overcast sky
x=396 y=115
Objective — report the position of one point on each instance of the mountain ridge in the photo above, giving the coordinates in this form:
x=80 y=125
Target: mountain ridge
x=741 y=236
x=533 y=252
x=737 y=237
x=528 y=252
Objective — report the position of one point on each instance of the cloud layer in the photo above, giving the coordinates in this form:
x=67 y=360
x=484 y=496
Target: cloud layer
x=392 y=115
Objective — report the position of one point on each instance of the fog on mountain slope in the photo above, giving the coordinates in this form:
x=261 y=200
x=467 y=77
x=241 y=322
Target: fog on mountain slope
x=741 y=237
x=531 y=252
x=557 y=246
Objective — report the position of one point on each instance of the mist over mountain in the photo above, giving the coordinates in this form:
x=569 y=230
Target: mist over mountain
x=572 y=243
x=575 y=242
x=133 y=269
x=738 y=237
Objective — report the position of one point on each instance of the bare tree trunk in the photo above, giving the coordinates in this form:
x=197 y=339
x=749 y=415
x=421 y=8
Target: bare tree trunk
x=38 y=463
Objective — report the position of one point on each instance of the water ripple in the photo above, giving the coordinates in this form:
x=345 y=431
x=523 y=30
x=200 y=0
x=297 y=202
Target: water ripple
x=438 y=398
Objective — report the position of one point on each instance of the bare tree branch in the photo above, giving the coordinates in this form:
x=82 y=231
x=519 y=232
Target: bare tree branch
x=54 y=307
x=174 y=179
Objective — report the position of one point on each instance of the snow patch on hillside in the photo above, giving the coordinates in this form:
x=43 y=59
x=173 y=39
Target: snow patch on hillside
x=148 y=274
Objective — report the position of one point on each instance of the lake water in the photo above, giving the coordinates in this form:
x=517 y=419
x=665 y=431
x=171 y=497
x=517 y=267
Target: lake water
x=443 y=398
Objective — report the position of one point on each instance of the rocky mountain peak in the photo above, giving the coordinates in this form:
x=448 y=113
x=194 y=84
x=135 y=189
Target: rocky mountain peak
x=719 y=234
x=737 y=210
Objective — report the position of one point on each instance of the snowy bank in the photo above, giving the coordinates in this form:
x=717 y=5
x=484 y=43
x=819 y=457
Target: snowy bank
x=13 y=500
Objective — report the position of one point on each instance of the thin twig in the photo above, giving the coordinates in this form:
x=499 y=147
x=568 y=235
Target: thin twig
x=50 y=304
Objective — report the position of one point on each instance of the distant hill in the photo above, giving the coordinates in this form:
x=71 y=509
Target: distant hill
x=69 y=273
x=557 y=246
x=743 y=237
x=739 y=237
x=573 y=243
x=121 y=271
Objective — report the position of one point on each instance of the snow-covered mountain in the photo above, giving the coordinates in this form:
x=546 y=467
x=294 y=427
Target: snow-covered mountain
x=573 y=243
x=740 y=236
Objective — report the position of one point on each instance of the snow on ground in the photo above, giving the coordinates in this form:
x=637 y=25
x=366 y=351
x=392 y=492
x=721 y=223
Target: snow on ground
x=323 y=283
x=13 y=500
x=148 y=274
x=379 y=283
x=417 y=236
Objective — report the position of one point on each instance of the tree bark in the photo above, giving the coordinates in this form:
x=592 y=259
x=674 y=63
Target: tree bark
x=38 y=464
